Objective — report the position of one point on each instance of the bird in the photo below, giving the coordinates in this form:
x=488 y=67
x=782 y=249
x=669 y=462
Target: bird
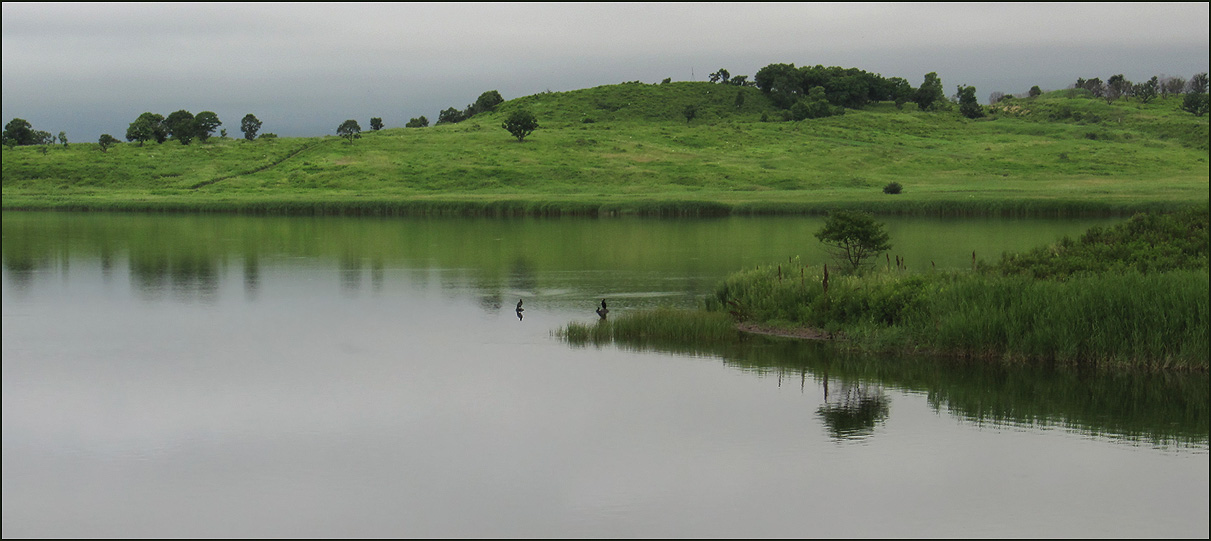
x=602 y=311
x=519 y=310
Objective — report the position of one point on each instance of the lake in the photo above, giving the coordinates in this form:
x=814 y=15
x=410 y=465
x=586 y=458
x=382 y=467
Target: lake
x=234 y=376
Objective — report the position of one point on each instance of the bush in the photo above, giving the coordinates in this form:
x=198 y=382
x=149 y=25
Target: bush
x=893 y=188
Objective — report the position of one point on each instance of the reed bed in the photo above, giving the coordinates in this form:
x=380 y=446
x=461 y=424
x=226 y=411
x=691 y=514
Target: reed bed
x=1131 y=318
x=659 y=325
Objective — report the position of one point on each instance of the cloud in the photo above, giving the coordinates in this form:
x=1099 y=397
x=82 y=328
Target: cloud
x=307 y=64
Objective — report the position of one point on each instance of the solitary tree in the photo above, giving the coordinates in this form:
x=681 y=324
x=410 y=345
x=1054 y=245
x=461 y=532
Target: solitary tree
x=350 y=130
x=420 y=122
x=1035 y=91
x=205 y=124
x=520 y=123
x=376 y=123
x=853 y=236
x=63 y=138
x=105 y=141
x=250 y=125
x=690 y=112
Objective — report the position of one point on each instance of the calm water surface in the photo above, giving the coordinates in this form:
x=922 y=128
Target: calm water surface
x=197 y=376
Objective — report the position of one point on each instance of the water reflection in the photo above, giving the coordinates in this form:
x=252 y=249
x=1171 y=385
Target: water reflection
x=853 y=411
x=573 y=264
x=187 y=275
x=1159 y=409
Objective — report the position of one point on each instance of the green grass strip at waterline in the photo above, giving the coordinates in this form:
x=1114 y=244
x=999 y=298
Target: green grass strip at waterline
x=564 y=206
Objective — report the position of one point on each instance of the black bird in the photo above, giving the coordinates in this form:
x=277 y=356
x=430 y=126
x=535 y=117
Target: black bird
x=519 y=310
x=602 y=311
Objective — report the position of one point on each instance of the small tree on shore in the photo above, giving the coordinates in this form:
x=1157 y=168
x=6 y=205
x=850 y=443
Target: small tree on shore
x=852 y=237
x=376 y=123
x=520 y=123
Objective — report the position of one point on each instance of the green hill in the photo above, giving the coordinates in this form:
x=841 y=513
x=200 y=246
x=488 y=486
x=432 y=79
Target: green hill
x=629 y=148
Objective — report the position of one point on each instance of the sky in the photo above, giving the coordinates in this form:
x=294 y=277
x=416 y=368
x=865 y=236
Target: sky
x=302 y=69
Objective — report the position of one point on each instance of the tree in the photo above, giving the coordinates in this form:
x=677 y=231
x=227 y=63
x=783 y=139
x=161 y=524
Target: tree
x=420 y=122
x=899 y=91
x=181 y=126
x=1172 y=86
x=520 y=123
x=376 y=123
x=1146 y=92
x=488 y=101
x=148 y=127
x=930 y=93
x=450 y=116
x=106 y=141
x=1094 y=86
x=45 y=139
x=969 y=106
x=1035 y=91
x=63 y=138
x=1198 y=83
x=1116 y=87
x=250 y=125
x=690 y=112
x=1195 y=101
x=18 y=132
x=853 y=236
x=205 y=124
x=350 y=130
x=814 y=105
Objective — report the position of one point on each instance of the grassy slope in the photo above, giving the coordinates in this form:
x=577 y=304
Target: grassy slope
x=1051 y=153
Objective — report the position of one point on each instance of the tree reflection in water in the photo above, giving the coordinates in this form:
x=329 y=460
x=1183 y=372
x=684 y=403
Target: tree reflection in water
x=855 y=411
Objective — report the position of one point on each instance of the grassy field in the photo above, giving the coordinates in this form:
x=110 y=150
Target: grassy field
x=627 y=149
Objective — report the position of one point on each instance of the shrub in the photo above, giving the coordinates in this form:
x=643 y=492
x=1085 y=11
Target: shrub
x=893 y=188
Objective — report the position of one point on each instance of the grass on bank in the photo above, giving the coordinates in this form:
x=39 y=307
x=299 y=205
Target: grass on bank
x=626 y=149
x=1135 y=294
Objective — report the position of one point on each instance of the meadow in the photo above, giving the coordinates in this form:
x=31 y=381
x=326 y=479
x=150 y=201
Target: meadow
x=628 y=149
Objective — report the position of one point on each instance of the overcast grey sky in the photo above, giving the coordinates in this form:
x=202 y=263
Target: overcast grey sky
x=302 y=69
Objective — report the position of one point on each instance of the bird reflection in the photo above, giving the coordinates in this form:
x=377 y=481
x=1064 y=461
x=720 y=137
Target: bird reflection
x=602 y=310
x=519 y=309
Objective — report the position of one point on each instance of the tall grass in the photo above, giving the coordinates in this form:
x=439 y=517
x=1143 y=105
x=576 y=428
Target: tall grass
x=1131 y=318
x=660 y=325
x=1155 y=319
x=1132 y=294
